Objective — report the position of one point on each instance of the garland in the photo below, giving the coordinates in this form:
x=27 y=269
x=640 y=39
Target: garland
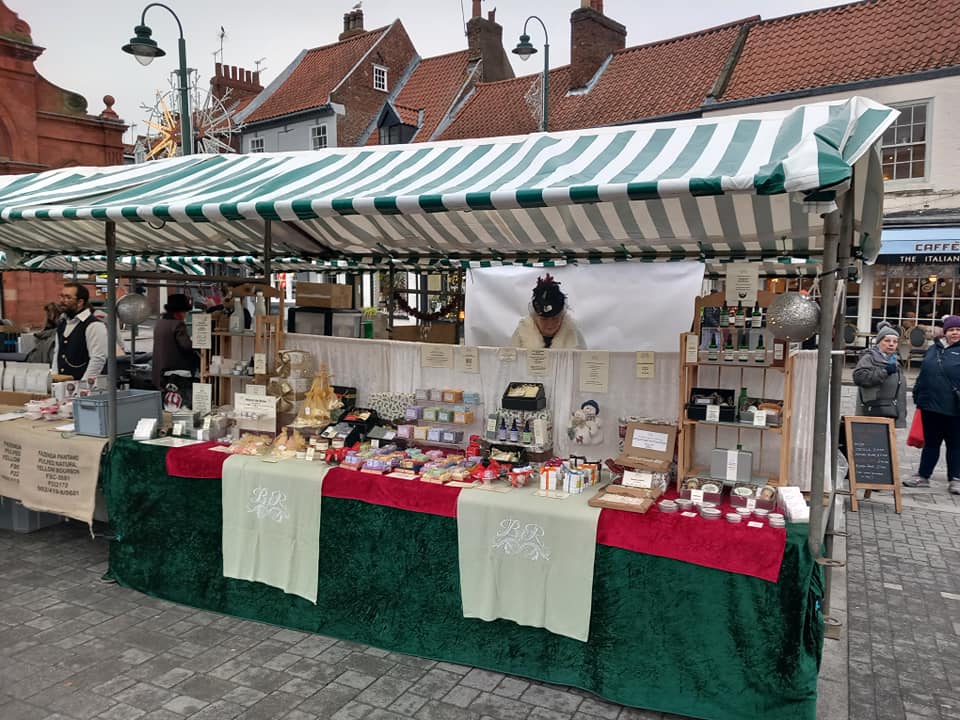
x=451 y=307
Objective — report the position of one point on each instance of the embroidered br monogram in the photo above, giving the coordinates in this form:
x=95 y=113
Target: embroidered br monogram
x=516 y=538
x=270 y=504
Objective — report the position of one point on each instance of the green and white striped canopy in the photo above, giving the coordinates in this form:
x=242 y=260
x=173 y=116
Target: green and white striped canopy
x=748 y=186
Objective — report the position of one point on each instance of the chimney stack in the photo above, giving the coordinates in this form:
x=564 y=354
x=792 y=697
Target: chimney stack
x=593 y=37
x=352 y=24
x=241 y=82
x=485 y=44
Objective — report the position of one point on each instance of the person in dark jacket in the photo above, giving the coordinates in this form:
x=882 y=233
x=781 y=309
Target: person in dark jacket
x=883 y=390
x=937 y=394
x=172 y=347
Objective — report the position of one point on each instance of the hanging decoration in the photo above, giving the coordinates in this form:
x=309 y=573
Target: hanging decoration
x=793 y=316
x=451 y=307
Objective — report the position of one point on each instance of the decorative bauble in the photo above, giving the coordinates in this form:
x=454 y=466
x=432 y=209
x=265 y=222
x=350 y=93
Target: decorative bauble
x=133 y=309
x=793 y=316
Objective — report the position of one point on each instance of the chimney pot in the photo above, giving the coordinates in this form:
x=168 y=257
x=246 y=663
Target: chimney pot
x=593 y=37
x=476 y=9
x=218 y=69
x=492 y=15
x=597 y=5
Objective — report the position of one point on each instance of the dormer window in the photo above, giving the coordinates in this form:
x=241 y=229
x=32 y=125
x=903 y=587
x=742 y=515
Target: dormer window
x=380 y=78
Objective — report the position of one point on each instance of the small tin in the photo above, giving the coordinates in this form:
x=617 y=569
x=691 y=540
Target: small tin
x=684 y=504
x=760 y=513
x=710 y=513
x=667 y=506
x=744 y=511
x=733 y=517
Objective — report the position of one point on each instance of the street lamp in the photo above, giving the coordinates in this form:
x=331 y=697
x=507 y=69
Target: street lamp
x=524 y=49
x=145 y=49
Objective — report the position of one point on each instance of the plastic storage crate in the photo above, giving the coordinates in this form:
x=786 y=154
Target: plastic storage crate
x=14 y=516
x=90 y=413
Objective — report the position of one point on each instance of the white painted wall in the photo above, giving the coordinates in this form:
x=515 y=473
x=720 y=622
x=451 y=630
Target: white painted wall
x=941 y=189
x=290 y=136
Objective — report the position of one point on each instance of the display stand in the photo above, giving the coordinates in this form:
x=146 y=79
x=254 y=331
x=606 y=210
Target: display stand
x=733 y=375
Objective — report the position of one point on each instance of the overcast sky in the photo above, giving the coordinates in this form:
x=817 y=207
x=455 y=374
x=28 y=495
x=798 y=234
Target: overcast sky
x=83 y=37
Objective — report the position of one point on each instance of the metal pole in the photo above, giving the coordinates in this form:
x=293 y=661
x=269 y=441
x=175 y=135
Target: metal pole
x=267 y=248
x=133 y=328
x=111 y=242
x=186 y=134
x=828 y=281
x=546 y=78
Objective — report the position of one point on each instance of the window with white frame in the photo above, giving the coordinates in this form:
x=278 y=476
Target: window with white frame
x=256 y=144
x=379 y=78
x=904 y=148
x=318 y=137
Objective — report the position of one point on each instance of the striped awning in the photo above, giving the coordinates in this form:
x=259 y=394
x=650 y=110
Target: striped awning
x=744 y=186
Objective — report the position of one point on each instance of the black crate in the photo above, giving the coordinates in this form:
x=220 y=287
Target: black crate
x=728 y=406
x=539 y=402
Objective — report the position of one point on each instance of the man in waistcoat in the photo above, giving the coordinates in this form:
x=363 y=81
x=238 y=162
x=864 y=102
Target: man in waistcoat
x=80 y=350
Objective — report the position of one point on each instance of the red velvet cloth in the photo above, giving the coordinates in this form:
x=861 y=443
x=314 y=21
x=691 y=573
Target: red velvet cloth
x=757 y=552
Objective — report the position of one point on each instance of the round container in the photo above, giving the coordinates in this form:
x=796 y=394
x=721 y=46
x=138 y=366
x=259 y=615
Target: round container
x=744 y=511
x=708 y=504
x=667 y=506
x=733 y=517
x=760 y=513
x=711 y=487
x=710 y=513
x=684 y=503
x=777 y=524
x=776 y=517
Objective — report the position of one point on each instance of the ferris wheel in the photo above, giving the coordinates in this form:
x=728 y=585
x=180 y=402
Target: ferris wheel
x=212 y=124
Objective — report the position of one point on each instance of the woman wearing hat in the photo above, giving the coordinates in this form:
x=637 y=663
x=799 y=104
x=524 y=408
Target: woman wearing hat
x=937 y=394
x=883 y=391
x=172 y=348
x=548 y=325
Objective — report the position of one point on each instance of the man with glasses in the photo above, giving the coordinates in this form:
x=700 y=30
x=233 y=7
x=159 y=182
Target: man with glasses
x=80 y=350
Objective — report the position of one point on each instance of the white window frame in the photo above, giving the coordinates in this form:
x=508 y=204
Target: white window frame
x=318 y=137
x=927 y=103
x=256 y=145
x=380 y=78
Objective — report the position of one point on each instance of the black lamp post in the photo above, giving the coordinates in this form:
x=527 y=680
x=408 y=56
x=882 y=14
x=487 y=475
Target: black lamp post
x=145 y=49
x=524 y=49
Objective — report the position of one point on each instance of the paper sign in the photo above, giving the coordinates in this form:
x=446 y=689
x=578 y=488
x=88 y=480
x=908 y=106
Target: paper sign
x=145 y=429
x=647 y=440
x=594 y=372
x=713 y=413
x=207 y=421
x=691 y=349
x=646 y=371
x=507 y=354
x=646 y=357
x=751 y=504
x=201 y=330
x=537 y=362
x=259 y=363
x=311 y=451
x=759 y=418
x=433 y=355
x=468 y=360
x=178 y=428
x=754 y=523
x=742 y=282
x=688 y=513
x=202 y=398
x=252 y=389
x=696 y=496
x=257 y=413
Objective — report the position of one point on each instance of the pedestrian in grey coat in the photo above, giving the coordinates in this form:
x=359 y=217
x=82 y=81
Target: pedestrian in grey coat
x=883 y=390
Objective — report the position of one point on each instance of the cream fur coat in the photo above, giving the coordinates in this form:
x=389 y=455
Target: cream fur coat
x=528 y=336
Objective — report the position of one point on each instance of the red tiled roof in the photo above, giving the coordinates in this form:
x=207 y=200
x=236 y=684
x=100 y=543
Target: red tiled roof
x=316 y=75
x=663 y=78
x=408 y=115
x=433 y=87
x=847 y=43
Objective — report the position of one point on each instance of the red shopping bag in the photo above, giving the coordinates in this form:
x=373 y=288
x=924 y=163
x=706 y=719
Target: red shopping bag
x=915 y=436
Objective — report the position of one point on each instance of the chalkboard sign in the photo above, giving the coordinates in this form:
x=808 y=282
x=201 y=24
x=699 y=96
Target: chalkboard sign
x=872 y=456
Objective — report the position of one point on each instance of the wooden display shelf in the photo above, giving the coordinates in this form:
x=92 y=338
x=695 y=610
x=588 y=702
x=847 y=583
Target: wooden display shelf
x=738 y=425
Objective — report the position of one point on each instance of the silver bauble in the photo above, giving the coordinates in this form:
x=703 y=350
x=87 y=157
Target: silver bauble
x=793 y=316
x=133 y=309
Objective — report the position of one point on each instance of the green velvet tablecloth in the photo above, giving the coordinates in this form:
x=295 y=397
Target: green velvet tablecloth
x=664 y=634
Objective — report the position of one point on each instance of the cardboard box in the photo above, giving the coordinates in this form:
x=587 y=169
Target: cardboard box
x=436 y=332
x=524 y=396
x=648 y=446
x=324 y=295
x=697 y=409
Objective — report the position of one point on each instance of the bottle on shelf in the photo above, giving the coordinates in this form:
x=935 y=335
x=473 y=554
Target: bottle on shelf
x=260 y=307
x=502 y=431
x=514 y=432
x=742 y=404
x=527 y=436
x=756 y=320
x=723 y=315
x=740 y=319
x=732 y=317
x=236 y=317
x=760 y=352
x=713 y=351
x=743 y=354
x=728 y=352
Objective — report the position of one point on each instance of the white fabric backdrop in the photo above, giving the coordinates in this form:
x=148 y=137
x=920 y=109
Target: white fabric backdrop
x=387 y=366
x=617 y=306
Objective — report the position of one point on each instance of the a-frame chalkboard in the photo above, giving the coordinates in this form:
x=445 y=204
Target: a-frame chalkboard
x=872 y=456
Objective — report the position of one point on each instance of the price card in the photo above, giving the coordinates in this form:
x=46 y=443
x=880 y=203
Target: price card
x=311 y=451
x=696 y=496
x=259 y=363
x=146 y=428
x=468 y=360
x=646 y=371
x=537 y=362
x=206 y=422
x=692 y=348
x=759 y=418
x=178 y=429
x=754 y=523
x=688 y=513
x=202 y=398
x=200 y=330
x=713 y=413
x=252 y=389
x=751 y=504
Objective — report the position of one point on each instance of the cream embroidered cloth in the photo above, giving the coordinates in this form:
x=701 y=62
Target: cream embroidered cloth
x=271 y=522
x=528 y=559
x=50 y=472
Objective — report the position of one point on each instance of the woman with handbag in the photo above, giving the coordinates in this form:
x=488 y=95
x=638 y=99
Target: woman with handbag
x=937 y=394
x=883 y=392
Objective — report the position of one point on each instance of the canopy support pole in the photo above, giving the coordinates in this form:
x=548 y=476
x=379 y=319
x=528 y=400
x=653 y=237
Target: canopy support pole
x=111 y=242
x=267 y=248
x=828 y=282
x=192 y=279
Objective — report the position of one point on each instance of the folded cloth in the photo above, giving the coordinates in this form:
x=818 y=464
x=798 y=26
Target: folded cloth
x=271 y=522
x=528 y=559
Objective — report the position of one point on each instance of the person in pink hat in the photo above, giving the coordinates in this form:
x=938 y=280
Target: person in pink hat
x=937 y=394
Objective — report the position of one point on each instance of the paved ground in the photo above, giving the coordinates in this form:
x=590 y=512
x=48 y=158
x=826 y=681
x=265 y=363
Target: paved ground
x=73 y=648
